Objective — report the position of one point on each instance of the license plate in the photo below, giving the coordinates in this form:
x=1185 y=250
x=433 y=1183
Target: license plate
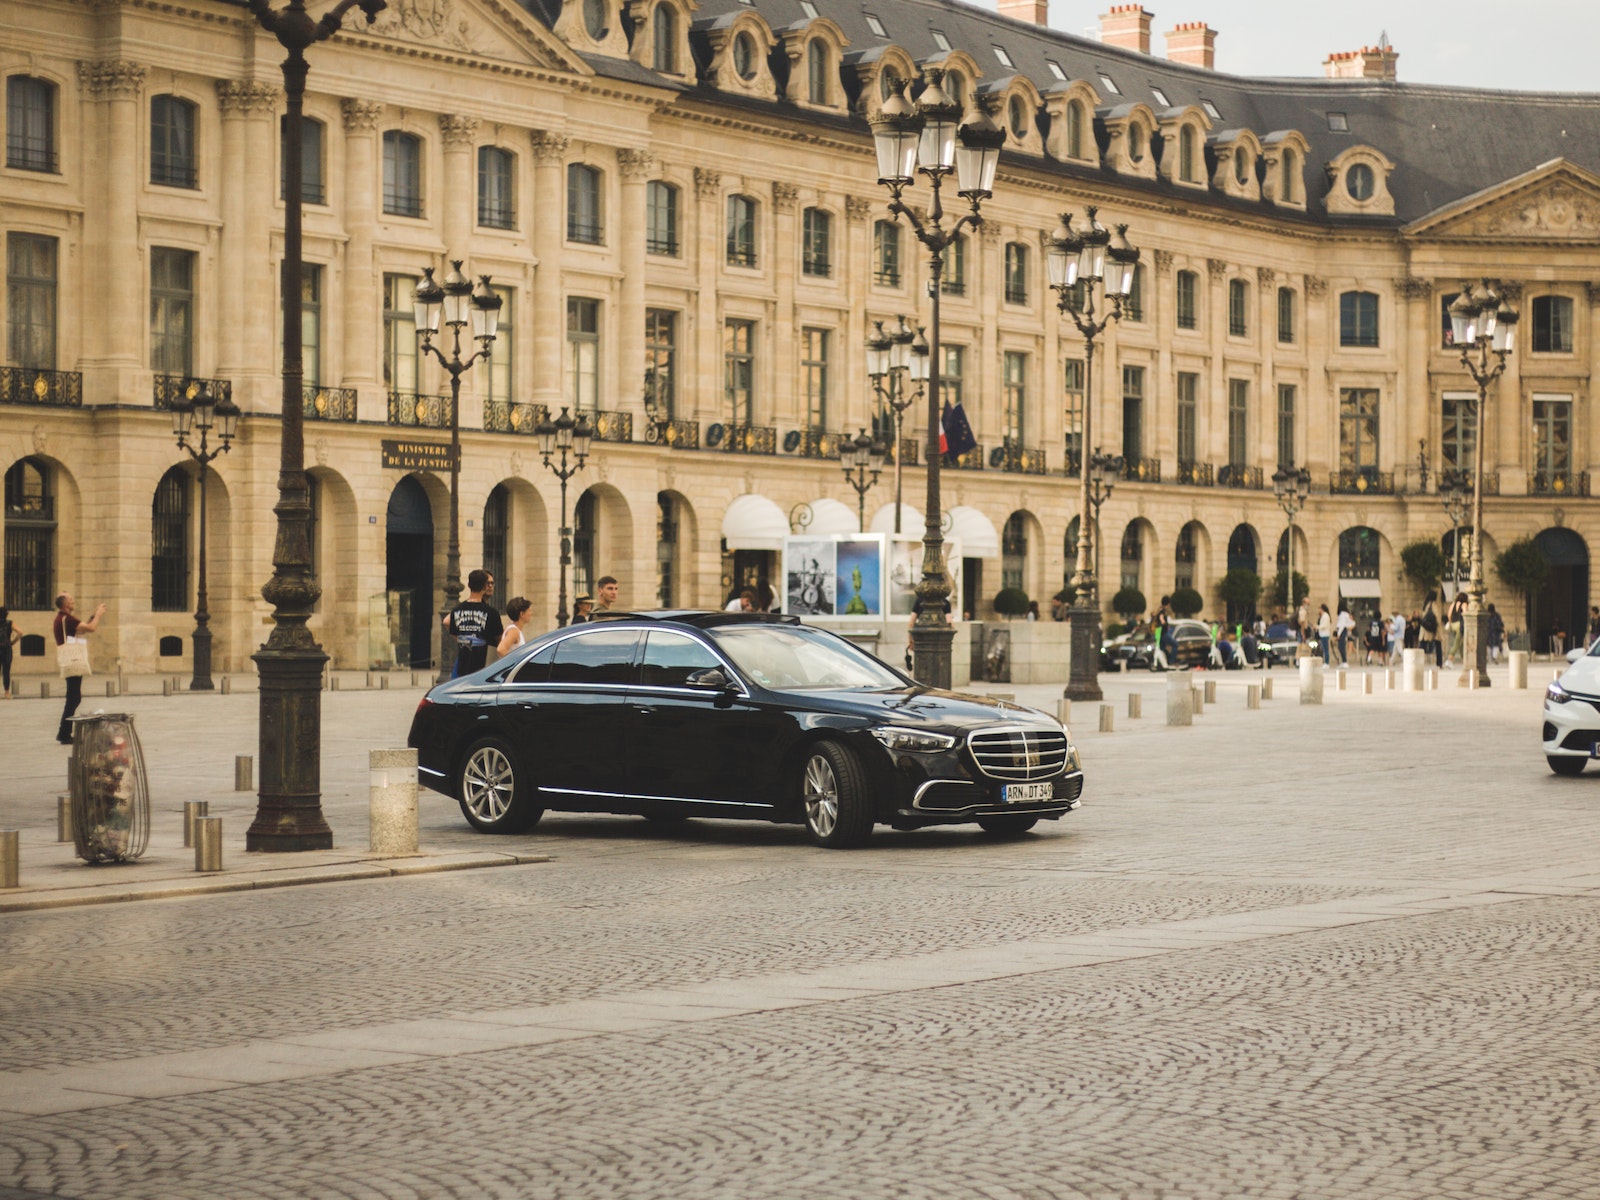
x=1022 y=793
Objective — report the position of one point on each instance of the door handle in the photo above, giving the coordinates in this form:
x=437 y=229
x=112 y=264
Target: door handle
x=644 y=709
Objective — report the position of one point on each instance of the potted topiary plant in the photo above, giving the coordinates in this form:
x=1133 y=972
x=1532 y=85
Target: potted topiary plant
x=1185 y=602
x=1128 y=604
x=1011 y=602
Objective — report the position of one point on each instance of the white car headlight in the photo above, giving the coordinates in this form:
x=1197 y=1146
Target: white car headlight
x=913 y=739
x=1556 y=694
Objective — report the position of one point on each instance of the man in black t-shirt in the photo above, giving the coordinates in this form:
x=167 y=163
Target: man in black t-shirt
x=475 y=625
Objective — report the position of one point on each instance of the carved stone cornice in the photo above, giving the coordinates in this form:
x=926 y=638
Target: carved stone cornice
x=635 y=164
x=1594 y=292
x=458 y=130
x=111 y=78
x=1510 y=292
x=547 y=146
x=988 y=232
x=857 y=208
x=1266 y=276
x=1409 y=287
x=361 y=116
x=1316 y=286
x=784 y=196
x=245 y=96
x=1216 y=267
x=1164 y=261
x=707 y=183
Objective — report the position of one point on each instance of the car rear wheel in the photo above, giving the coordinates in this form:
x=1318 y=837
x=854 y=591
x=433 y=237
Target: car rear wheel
x=1007 y=826
x=833 y=788
x=1564 y=764
x=494 y=792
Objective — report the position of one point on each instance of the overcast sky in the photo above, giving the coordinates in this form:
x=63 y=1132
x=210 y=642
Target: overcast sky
x=1551 y=45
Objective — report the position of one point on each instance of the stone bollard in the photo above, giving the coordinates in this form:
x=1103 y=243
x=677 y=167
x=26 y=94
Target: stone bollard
x=10 y=852
x=1390 y=679
x=1197 y=700
x=1472 y=677
x=1366 y=684
x=1064 y=711
x=1252 y=696
x=392 y=807
x=1310 y=680
x=226 y=685
x=64 y=818
x=243 y=771
x=1433 y=679
x=1135 y=705
x=1340 y=685
x=207 y=843
x=166 y=687
x=1107 y=718
x=1266 y=687
x=1519 y=669
x=1411 y=670
x=1211 y=691
x=383 y=682
x=1180 y=702
x=44 y=690
x=193 y=810
x=333 y=682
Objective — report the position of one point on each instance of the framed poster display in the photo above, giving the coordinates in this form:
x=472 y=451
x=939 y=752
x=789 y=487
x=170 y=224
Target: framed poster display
x=905 y=570
x=837 y=575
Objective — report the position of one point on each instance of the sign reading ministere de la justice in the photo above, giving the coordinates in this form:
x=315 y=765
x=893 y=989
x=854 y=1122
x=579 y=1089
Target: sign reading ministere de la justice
x=417 y=456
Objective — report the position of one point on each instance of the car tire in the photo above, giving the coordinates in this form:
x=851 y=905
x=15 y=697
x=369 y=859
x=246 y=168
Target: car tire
x=494 y=789
x=833 y=794
x=1566 y=764
x=1010 y=825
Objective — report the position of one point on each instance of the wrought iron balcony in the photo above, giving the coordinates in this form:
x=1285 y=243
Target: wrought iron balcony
x=419 y=409
x=50 y=389
x=910 y=447
x=1236 y=475
x=609 y=426
x=816 y=443
x=1195 y=474
x=972 y=460
x=510 y=416
x=1072 y=468
x=329 y=403
x=674 y=434
x=1142 y=470
x=1558 y=483
x=1363 y=482
x=171 y=389
x=1019 y=460
x=742 y=439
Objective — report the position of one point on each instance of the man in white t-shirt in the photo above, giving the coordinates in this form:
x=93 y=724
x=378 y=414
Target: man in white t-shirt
x=1397 y=634
x=745 y=601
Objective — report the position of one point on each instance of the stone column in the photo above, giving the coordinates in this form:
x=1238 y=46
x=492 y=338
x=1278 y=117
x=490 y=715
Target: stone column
x=1264 y=421
x=248 y=268
x=788 y=404
x=116 y=315
x=460 y=180
x=985 y=288
x=1318 y=416
x=706 y=369
x=1412 y=405
x=852 y=397
x=1162 y=439
x=549 y=235
x=635 y=167
x=361 y=286
x=1212 y=415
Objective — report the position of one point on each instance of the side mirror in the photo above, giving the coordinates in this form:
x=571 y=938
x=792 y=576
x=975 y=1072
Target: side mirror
x=710 y=678
x=1574 y=655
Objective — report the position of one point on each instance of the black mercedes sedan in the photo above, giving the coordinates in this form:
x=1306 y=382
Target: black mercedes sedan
x=751 y=715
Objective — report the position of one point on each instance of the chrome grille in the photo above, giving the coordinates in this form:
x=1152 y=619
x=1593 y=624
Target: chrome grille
x=1018 y=754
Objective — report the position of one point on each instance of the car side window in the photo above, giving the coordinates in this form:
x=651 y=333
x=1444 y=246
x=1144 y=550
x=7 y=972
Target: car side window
x=597 y=657
x=670 y=658
x=536 y=667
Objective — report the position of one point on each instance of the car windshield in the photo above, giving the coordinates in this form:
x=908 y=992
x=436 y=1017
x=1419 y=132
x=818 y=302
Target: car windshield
x=1279 y=630
x=797 y=658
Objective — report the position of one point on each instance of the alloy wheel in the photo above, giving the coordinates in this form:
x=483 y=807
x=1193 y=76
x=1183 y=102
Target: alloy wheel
x=821 y=796
x=488 y=783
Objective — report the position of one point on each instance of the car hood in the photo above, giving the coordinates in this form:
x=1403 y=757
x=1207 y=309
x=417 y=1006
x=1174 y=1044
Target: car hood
x=925 y=708
x=1583 y=677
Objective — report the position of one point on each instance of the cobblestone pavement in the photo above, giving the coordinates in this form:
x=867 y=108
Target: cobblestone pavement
x=1336 y=951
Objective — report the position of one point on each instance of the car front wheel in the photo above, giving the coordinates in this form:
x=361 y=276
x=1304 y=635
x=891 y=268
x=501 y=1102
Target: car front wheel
x=493 y=791
x=833 y=788
x=1565 y=764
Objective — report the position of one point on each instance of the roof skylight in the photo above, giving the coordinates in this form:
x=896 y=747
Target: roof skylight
x=876 y=25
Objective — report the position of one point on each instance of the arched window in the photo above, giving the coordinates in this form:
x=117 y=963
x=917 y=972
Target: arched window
x=1132 y=554
x=312 y=189
x=1242 y=165
x=30 y=124
x=664 y=47
x=886 y=81
x=497 y=172
x=496 y=530
x=402 y=174
x=595 y=13
x=1018 y=117
x=583 y=531
x=1184 y=554
x=172 y=149
x=818 y=67
x=1075 y=130
x=1186 y=154
x=169 y=542
x=1358 y=553
x=1136 y=142
x=1014 y=552
x=666 y=550
x=1291 y=176
x=30 y=518
x=744 y=56
x=817 y=243
x=585 y=213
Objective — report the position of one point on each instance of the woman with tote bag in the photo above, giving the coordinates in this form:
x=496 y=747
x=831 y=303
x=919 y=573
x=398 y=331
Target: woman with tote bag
x=72 y=656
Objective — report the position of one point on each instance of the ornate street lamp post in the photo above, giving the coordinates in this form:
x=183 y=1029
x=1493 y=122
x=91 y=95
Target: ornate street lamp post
x=897 y=364
x=289 y=805
x=564 y=435
x=1291 y=487
x=459 y=303
x=925 y=140
x=1454 y=489
x=860 y=456
x=1485 y=329
x=1076 y=263
x=200 y=416
x=1104 y=471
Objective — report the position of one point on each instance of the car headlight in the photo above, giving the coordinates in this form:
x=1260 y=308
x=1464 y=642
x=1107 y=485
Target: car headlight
x=913 y=739
x=1556 y=694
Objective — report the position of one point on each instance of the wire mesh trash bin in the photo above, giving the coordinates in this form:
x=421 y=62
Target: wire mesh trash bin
x=110 y=792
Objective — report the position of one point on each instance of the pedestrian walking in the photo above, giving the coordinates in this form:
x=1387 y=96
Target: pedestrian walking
x=605 y=596
x=1428 y=637
x=1344 y=627
x=582 y=608
x=1497 y=634
x=520 y=611
x=1377 y=639
x=1397 y=636
x=475 y=624
x=8 y=638
x=1163 y=639
x=1455 y=629
x=1324 y=631
x=72 y=656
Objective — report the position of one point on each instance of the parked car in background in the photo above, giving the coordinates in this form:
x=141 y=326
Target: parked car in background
x=749 y=715
x=1135 y=650
x=1281 y=645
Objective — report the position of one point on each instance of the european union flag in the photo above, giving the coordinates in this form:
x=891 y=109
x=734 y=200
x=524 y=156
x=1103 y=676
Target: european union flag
x=958 y=437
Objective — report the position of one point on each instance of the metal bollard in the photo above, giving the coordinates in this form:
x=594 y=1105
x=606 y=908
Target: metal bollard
x=1366 y=684
x=193 y=810
x=1107 y=718
x=1211 y=691
x=1064 y=711
x=1252 y=696
x=414 y=681
x=392 y=802
x=208 y=843
x=243 y=770
x=1266 y=688
x=1135 y=704
x=63 y=818
x=10 y=851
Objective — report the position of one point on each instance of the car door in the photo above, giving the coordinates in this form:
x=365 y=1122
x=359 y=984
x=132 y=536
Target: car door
x=567 y=716
x=696 y=743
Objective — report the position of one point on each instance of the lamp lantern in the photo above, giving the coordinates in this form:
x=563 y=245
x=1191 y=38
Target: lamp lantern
x=978 y=154
x=895 y=131
x=485 y=312
x=878 y=344
x=936 y=147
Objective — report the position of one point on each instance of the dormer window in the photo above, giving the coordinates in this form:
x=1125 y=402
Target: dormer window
x=1360 y=181
x=744 y=56
x=665 y=33
x=1017 y=117
x=1005 y=59
x=594 y=18
x=1110 y=85
x=817 y=70
x=1055 y=69
x=1186 y=154
x=886 y=81
x=940 y=40
x=1338 y=122
x=1211 y=109
x=1136 y=142
x=1161 y=97
x=876 y=25
x=1242 y=165
x=809 y=9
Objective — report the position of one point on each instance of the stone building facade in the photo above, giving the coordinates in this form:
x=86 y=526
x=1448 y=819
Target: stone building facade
x=677 y=203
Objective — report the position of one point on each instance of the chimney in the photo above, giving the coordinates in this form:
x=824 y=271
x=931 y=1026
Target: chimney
x=1193 y=43
x=1369 y=62
x=1128 y=26
x=1034 y=12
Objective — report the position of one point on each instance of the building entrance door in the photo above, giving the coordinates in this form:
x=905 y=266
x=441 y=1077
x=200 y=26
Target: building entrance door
x=1564 y=604
x=409 y=570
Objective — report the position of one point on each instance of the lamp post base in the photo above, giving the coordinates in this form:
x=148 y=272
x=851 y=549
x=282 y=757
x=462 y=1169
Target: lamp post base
x=289 y=805
x=1083 y=678
x=1475 y=648
x=931 y=654
x=202 y=681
